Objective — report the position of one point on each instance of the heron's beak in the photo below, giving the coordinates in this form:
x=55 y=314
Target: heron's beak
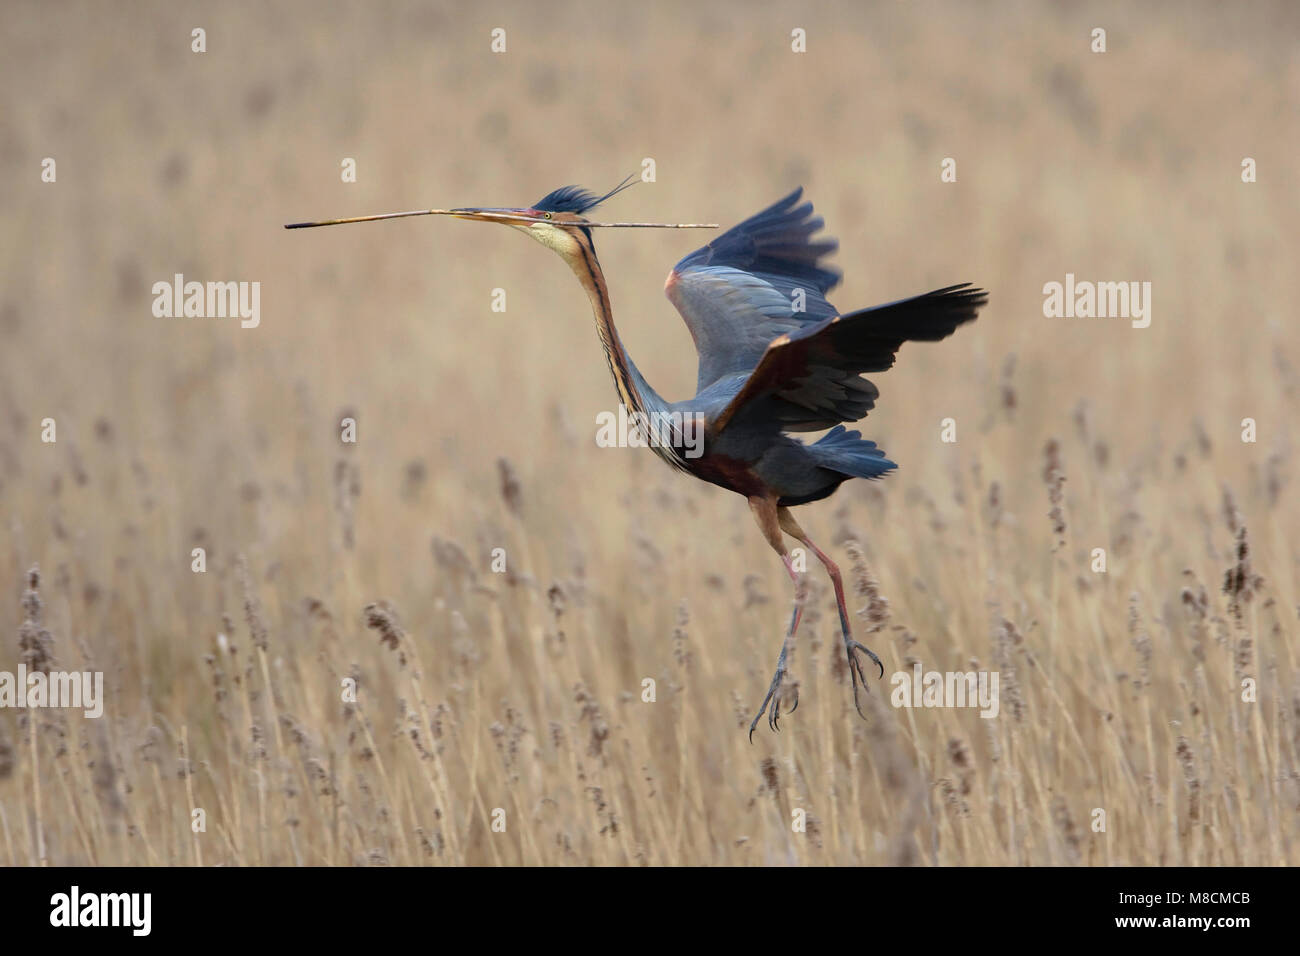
x=479 y=214
x=505 y=216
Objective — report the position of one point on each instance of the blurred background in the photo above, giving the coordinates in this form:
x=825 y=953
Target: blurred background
x=176 y=433
x=1118 y=166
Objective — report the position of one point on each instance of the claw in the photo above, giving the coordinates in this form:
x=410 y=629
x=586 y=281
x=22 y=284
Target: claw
x=774 y=691
x=773 y=697
x=855 y=646
x=856 y=673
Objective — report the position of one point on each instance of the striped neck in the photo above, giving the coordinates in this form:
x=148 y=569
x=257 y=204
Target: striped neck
x=632 y=388
x=634 y=391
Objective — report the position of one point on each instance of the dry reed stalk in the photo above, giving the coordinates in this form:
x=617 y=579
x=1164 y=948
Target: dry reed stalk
x=1054 y=478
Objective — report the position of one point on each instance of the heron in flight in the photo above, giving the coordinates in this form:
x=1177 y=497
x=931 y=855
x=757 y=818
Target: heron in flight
x=775 y=357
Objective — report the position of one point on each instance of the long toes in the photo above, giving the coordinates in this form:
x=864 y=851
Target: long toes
x=855 y=646
x=858 y=705
x=757 y=718
x=857 y=675
x=856 y=672
x=773 y=700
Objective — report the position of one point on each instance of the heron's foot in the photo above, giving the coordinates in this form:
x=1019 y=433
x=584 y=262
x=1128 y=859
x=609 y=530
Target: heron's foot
x=856 y=673
x=774 y=698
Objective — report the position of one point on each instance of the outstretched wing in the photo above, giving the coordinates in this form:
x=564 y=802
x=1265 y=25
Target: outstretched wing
x=756 y=281
x=807 y=379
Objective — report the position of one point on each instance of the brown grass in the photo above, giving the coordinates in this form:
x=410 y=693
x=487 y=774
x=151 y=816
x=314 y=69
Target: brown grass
x=516 y=697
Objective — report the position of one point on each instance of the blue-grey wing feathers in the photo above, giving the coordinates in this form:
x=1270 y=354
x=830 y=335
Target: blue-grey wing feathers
x=773 y=350
x=759 y=279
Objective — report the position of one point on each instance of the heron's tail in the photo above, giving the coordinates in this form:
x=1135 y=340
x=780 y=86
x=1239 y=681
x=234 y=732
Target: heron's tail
x=848 y=453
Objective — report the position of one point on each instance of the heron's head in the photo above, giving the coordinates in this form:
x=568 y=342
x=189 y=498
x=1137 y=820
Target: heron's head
x=556 y=220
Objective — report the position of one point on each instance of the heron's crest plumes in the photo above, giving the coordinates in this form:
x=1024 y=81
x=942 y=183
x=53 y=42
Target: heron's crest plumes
x=576 y=199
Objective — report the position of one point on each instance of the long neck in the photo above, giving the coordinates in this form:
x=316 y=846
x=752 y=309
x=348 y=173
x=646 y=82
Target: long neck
x=633 y=390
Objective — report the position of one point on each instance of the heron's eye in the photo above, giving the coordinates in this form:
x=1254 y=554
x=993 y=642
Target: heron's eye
x=547 y=215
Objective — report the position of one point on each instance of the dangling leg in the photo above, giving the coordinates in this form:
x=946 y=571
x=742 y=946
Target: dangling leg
x=856 y=674
x=765 y=513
